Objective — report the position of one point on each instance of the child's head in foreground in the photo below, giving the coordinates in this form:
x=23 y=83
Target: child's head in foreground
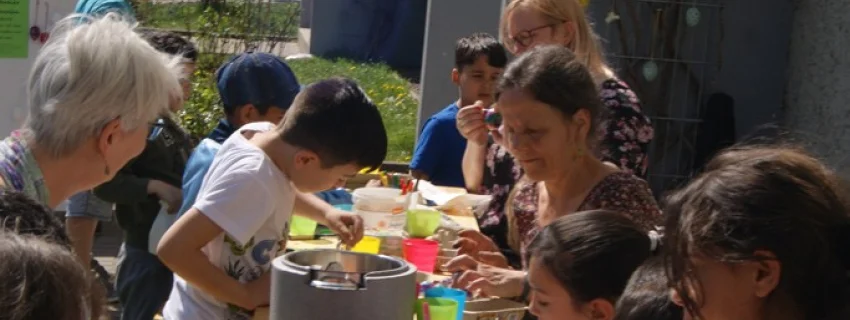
x=479 y=61
x=336 y=131
x=580 y=264
x=647 y=296
x=22 y=215
x=763 y=233
x=41 y=280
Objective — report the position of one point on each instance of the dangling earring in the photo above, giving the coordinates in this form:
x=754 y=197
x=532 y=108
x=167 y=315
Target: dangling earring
x=579 y=153
x=106 y=171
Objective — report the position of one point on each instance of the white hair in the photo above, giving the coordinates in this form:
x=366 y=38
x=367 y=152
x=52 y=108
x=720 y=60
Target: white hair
x=93 y=71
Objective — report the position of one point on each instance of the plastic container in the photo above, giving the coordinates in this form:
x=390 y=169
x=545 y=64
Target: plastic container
x=455 y=294
x=387 y=200
x=439 y=308
x=422 y=223
x=376 y=221
x=421 y=253
x=493 y=309
x=302 y=227
x=368 y=245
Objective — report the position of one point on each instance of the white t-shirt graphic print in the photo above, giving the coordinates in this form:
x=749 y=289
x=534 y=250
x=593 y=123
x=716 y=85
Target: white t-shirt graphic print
x=246 y=195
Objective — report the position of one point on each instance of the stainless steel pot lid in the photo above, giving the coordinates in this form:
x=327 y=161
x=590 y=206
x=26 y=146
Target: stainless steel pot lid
x=343 y=270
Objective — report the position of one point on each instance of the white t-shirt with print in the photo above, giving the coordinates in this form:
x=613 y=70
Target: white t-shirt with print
x=246 y=195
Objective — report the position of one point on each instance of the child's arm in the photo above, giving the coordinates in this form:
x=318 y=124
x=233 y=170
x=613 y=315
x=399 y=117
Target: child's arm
x=180 y=250
x=234 y=202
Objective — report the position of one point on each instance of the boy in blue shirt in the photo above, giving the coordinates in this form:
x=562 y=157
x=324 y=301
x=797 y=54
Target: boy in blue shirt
x=479 y=61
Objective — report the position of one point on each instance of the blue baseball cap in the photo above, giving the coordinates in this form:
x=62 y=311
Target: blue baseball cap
x=256 y=78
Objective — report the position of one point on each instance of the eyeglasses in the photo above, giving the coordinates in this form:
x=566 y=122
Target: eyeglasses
x=525 y=37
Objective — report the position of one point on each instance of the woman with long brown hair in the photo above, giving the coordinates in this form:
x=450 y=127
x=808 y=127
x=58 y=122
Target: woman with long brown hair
x=623 y=134
x=550 y=106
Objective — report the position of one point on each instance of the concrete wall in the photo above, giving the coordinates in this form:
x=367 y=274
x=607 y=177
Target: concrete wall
x=818 y=89
x=448 y=20
x=14 y=72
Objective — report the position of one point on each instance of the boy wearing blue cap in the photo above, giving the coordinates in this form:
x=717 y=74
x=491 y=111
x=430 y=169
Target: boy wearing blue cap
x=142 y=281
x=253 y=87
x=221 y=249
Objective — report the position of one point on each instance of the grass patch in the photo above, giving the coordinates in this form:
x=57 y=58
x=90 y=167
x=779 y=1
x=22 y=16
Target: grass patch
x=383 y=85
x=279 y=19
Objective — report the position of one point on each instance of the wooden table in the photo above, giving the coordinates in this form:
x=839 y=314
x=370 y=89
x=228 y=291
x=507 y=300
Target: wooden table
x=466 y=222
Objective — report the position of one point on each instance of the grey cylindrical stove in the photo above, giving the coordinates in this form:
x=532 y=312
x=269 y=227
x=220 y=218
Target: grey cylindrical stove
x=341 y=285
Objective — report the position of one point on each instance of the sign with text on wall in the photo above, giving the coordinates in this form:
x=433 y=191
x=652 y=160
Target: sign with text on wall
x=14 y=29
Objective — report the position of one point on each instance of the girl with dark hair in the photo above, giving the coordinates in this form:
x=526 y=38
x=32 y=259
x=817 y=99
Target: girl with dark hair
x=580 y=264
x=550 y=107
x=762 y=234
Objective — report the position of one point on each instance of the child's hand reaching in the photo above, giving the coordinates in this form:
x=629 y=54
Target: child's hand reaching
x=348 y=226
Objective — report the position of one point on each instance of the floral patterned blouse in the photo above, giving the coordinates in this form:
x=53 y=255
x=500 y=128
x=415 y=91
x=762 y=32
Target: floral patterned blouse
x=625 y=136
x=621 y=192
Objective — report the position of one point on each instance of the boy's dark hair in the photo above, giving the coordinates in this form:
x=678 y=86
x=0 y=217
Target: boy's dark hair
x=22 y=215
x=468 y=49
x=335 y=119
x=42 y=280
x=647 y=296
x=170 y=43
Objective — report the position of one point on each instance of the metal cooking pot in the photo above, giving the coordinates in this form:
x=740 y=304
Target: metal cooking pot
x=343 y=285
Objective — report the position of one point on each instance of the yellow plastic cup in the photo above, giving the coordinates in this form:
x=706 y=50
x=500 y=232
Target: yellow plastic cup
x=301 y=227
x=368 y=245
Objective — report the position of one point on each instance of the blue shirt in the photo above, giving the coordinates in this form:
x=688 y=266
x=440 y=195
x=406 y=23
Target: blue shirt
x=439 y=151
x=102 y=7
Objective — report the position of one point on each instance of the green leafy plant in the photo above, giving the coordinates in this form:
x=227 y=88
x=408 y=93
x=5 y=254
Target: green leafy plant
x=224 y=28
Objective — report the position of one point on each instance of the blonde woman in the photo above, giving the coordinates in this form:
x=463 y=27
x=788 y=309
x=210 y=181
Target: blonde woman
x=624 y=134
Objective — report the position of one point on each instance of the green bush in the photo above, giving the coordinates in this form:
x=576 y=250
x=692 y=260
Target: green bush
x=383 y=85
x=252 y=18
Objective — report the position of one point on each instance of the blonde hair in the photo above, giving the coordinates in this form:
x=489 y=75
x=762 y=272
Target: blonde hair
x=585 y=43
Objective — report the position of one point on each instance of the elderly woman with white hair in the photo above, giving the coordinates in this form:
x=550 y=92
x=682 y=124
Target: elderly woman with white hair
x=94 y=90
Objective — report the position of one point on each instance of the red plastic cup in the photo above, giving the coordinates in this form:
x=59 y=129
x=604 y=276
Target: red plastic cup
x=421 y=253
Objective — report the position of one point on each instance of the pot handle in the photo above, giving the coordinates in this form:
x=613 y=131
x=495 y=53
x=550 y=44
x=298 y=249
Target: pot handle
x=348 y=285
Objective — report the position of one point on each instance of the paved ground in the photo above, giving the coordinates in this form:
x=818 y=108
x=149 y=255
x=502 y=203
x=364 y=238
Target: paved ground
x=105 y=249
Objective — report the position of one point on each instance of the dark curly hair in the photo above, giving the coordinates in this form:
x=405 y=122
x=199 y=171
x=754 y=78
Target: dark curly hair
x=170 y=43
x=22 y=215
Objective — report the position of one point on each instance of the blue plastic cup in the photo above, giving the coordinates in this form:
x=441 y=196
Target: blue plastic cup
x=449 y=293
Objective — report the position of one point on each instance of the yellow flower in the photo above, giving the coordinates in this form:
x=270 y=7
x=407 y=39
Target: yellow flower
x=584 y=3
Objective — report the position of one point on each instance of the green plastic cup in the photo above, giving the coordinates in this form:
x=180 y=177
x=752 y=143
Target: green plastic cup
x=302 y=227
x=422 y=223
x=439 y=308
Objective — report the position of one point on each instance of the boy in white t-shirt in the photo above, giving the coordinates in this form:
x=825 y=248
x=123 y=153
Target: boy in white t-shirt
x=221 y=249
